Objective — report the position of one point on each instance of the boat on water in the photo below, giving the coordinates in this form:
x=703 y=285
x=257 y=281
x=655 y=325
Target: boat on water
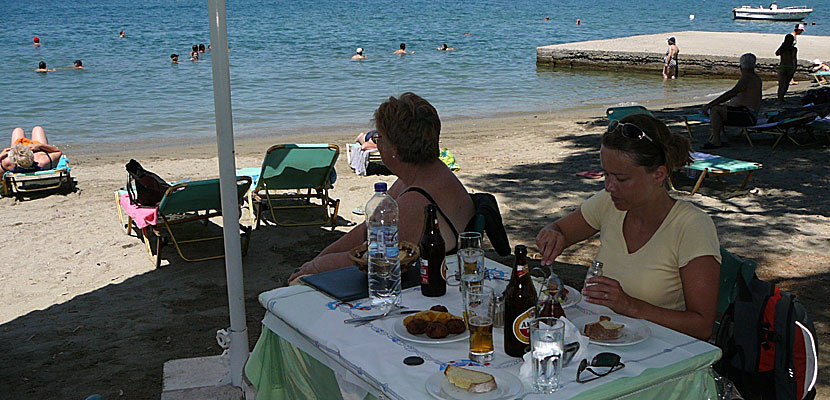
x=773 y=12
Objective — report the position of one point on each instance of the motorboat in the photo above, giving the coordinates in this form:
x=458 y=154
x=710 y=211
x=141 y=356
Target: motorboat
x=773 y=12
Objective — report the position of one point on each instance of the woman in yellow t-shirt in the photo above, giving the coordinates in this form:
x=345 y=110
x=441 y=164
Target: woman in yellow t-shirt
x=661 y=256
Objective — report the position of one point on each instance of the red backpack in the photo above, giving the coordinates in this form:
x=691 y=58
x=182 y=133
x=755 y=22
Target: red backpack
x=768 y=343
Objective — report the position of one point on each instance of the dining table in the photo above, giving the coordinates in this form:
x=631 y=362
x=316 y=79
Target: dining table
x=306 y=351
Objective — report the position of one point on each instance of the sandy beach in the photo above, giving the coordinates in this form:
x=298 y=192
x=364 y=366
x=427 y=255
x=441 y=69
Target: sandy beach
x=85 y=311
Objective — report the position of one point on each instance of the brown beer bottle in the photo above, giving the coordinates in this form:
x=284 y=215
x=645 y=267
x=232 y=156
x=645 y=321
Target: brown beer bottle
x=432 y=256
x=519 y=305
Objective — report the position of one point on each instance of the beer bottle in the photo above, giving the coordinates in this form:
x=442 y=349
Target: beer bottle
x=519 y=304
x=432 y=256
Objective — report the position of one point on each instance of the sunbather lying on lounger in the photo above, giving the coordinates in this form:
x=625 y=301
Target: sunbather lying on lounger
x=27 y=155
x=366 y=140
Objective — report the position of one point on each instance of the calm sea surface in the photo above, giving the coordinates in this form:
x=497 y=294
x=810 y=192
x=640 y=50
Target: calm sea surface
x=291 y=68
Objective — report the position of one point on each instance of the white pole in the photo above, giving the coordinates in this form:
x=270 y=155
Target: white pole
x=227 y=180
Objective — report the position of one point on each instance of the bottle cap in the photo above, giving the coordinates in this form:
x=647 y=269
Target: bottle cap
x=380 y=187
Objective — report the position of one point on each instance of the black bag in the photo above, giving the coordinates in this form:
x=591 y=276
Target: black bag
x=149 y=187
x=768 y=343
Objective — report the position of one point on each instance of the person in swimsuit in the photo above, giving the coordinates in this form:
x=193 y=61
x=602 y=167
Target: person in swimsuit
x=402 y=51
x=27 y=155
x=670 y=68
x=358 y=54
x=408 y=129
x=661 y=255
x=367 y=140
x=744 y=104
x=786 y=68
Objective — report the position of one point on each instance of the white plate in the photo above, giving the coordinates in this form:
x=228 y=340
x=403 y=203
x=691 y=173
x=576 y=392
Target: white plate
x=509 y=387
x=396 y=324
x=573 y=297
x=635 y=330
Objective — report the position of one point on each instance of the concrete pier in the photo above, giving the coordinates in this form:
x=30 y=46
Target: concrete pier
x=701 y=53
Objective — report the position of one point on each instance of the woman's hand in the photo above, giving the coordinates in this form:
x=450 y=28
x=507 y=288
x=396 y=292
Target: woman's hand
x=551 y=242
x=608 y=292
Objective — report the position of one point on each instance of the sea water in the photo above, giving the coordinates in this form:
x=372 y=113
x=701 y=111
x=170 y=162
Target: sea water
x=291 y=70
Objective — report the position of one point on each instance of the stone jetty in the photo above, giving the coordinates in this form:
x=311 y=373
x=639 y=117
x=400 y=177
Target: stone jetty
x=701 y=53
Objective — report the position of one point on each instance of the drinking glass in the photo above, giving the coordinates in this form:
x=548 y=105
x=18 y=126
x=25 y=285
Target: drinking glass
x=470 y=256
x=480 y=305
x=547 y=335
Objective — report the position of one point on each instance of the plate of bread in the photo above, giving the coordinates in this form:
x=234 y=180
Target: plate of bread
x=612 y=330
x=478 y=383
x=434 y=326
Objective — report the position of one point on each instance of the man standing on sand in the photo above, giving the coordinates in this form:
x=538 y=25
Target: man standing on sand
x=797 y=30
x=744 y=103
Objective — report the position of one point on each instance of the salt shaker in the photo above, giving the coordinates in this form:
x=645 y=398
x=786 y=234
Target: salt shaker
x=498 y=319
x=594 y=270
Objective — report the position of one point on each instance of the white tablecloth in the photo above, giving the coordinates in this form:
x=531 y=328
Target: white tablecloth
x=370 y=358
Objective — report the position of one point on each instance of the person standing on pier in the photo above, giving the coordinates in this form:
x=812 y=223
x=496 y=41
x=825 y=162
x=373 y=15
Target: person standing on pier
x=670 y=68
x=744 y=104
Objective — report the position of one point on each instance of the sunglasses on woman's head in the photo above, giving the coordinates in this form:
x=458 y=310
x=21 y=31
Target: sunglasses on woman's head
x=628 y=130
x=375 y=137
x=610 y=361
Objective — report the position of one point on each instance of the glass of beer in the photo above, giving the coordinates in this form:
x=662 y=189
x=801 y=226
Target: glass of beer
x=470 y=261
x=479 y=305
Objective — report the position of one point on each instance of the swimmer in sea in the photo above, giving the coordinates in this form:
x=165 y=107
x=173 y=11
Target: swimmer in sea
x=358 y=54
x=121 y=34
x=174 y=58
x=41 y=67
x=445 y=48
x=194 y=54
x=36 y=41
x=547 y=18
x=402 y=50
x=201 y=47
x=78 y=64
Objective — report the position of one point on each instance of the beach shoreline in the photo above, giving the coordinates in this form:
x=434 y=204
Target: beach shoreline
x=91 y=314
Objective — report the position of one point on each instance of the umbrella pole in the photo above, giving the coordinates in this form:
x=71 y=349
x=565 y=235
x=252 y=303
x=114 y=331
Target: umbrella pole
x=227 y=179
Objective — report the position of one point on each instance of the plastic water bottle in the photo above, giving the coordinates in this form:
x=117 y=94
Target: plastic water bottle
x=384 y=263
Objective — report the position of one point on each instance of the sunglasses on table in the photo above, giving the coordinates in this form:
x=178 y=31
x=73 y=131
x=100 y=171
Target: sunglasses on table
x=628 y=130
x=605 y=363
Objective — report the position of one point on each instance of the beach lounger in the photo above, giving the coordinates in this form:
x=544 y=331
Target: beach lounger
x=783 y=128
x=695 y=119
x=194 y=201
x=618 y=113
x=287 y=171
x=710 y=164
x=28 y=183
x=822 y=78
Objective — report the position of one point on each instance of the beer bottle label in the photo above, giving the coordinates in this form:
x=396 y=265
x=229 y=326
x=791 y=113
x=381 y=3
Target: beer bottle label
x=521 y=326
x=444 y=269
x=424 y=272
x=521 y=270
